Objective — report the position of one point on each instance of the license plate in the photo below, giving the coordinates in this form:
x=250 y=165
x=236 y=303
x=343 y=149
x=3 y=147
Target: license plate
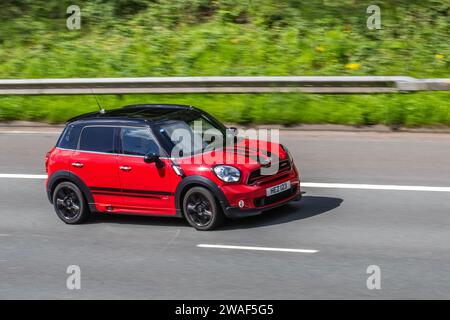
x=278 y=188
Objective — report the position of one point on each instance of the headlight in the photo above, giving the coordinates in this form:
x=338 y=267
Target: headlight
x=288 y=153
x=227 y=173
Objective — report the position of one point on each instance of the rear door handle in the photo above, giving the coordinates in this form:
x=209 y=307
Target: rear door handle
x=78 y=164
x=125 y=168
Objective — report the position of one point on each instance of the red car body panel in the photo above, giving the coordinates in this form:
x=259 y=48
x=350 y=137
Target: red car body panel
x=100 y=173
x=140 y=178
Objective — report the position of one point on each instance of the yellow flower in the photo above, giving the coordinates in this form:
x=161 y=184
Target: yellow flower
x=320 y=49
x=353 y=66
x=235 y=41
x=439 y=56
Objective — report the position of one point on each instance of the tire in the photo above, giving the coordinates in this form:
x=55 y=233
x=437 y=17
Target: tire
x=70 y=204
x=201 y=210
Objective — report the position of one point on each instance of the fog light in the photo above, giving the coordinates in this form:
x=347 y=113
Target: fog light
x=241 y=203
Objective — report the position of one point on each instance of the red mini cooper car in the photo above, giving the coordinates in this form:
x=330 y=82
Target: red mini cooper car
x=159 y=160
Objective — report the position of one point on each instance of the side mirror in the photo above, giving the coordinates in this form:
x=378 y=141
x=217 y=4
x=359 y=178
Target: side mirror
x=154 y=158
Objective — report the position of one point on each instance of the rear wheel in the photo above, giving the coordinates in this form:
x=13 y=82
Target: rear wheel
x=201 y=210
x=69 y=203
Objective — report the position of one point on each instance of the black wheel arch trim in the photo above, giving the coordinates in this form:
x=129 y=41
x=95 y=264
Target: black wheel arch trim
x=69 y=176
x=195 y=180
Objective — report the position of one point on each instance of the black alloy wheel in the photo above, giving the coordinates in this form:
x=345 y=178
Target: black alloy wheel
x=201 y=210
x=69 y=203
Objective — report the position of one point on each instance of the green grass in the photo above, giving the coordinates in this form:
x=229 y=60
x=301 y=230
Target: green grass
x=132 y=38
x=411 y=110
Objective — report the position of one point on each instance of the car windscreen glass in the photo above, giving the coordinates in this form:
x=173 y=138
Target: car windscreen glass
x=189 y=136
x=98 y=139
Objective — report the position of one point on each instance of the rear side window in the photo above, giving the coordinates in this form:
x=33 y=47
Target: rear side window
x=69 y=138
x=138 y=141
x=98 y=139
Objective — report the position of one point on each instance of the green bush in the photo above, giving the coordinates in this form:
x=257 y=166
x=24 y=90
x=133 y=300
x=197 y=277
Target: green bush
x=411 y=110
x=132 y=38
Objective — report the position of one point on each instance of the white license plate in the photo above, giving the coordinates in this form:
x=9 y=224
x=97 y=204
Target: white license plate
x=278 y=188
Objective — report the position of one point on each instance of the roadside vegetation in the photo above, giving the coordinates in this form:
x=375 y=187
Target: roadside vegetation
x=132 y=38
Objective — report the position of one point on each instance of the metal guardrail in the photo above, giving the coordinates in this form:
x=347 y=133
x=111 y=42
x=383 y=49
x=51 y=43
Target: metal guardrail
x=310 y=84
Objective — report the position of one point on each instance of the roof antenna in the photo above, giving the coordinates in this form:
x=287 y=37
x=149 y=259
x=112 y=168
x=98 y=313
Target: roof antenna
x=102 y=111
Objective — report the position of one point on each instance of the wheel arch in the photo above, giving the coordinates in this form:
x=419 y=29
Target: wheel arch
x=63 y=175
x=198 y=181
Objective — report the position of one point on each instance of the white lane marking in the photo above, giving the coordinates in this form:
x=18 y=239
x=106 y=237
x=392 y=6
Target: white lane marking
x=28 y=132
x=303 y=184
x=219 y=246
x=23 y=176
x=374 y=187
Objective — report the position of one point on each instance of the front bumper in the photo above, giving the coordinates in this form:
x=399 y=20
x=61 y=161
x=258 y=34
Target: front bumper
x=254 y=196
x=234 y=212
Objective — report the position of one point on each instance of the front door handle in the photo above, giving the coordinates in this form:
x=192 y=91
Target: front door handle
x=125 y=168
x=78 y=164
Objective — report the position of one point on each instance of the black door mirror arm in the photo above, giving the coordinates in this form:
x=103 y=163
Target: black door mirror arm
x=154 y=158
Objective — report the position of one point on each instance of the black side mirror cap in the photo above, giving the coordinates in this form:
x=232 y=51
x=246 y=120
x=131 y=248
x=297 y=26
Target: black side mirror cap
x=154 y=158
x=151 y=157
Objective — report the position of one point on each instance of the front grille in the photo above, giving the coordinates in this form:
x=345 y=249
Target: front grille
x=255 y=176
x=265 y=201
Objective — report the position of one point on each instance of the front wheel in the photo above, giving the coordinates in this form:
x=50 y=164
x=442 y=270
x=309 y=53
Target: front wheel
x=69 y=203
x=201 y=210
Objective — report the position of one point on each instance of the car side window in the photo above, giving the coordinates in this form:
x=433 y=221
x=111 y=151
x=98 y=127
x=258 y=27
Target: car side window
x=98 y=139
x=138 y=142
x=69 y=138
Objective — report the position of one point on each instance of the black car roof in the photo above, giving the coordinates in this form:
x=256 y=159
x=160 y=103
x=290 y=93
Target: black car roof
x=134 y=113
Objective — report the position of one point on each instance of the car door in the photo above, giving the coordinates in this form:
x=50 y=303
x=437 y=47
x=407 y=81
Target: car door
x=95 y=162
x=146 y=186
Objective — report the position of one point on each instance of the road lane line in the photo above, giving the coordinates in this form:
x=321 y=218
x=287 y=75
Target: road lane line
x=303 y=184
x=374 y=187
x=28 y=132
x=219 y=246
x=23 y=176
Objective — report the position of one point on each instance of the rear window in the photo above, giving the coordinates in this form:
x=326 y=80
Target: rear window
x=98 y=139
x=69 y=137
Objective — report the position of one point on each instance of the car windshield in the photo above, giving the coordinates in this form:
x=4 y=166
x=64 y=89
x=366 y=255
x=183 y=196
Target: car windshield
x=190 y=133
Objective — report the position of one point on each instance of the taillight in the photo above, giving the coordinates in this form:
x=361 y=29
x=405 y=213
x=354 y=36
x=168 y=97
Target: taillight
x=47 y=157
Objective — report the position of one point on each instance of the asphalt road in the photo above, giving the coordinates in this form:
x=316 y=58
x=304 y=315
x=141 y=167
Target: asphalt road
x=405 y=233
